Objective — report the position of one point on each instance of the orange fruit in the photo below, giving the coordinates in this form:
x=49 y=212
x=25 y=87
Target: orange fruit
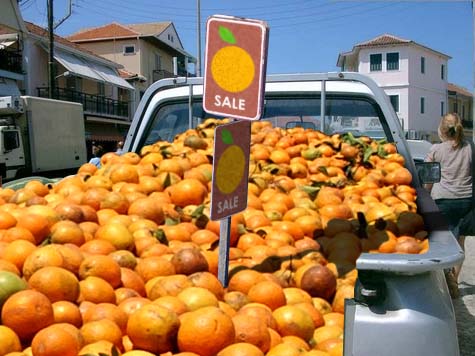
x=101 y=266
x=107 y=311
x=204 y=324
x=261 y=312
x=18 y=233
x=67 y=231
x=67 y=312
x=104 y=329
x=117 y=234
x=189 y=191
x=153 y=328
x=56 y=283
x=173 y=303
x=167 y=285
x=10 y=341
x=327 y=332
x=197 y=297
x=27 y=312
x=98 y=247
x=38 y=225
x=292 y=320
x=131 y=279
x=7 y=220
x=209 y=281
x=267 y=293
x=122 y=294
x=147 y=208
x=96 y=290
x=17 y=251
x=241 y=349
x=130 y=305
x=243 y=280
x=41 y=257
x=55 y=340
x=251 y=330
x=334 y=318
x=102 y=347
x=154 y=266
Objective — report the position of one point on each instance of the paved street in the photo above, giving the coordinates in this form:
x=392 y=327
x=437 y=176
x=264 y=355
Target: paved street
x=465 y=305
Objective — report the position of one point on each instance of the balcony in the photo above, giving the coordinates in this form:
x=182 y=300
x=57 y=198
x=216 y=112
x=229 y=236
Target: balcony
x=11 y=61
x=92 y=104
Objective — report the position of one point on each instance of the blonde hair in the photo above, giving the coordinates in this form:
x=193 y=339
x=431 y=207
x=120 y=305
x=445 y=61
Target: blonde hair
x=450 y=128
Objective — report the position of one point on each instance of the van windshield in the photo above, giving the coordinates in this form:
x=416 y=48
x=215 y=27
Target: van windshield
x=359 y=115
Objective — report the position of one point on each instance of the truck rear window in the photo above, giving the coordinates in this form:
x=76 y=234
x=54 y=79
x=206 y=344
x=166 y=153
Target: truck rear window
x=358 y=115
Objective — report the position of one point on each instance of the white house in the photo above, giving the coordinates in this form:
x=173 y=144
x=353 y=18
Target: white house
x=413 y=75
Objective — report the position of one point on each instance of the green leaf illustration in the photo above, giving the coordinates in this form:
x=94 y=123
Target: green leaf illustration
x=226 y=35
x=227 y=137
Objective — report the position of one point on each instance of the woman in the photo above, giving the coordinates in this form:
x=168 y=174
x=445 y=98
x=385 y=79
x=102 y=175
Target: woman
x=453 y=193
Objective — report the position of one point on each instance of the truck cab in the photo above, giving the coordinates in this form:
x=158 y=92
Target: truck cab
x=402 y=305
x=11 y=145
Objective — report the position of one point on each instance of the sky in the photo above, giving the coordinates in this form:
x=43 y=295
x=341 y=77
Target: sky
x=305 y=35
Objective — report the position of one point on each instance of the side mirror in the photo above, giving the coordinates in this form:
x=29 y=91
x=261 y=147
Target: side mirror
x=428 y=172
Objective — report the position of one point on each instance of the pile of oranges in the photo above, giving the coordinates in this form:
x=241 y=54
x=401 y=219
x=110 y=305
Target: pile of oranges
x=122 y=260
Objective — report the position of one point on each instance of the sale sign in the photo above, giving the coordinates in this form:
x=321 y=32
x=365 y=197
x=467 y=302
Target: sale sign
x=230 y=169
x=235 y=66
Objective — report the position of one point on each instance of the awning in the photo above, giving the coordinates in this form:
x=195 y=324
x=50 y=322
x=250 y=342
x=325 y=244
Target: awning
x=103 y=132
x=83 y=67
x=76 y=65
x=8 y=87
x=110 y=76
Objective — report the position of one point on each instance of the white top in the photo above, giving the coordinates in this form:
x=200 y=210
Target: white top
x=456 y=170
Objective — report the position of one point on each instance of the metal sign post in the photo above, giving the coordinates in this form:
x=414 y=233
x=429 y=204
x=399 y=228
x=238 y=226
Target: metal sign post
x=236 y=53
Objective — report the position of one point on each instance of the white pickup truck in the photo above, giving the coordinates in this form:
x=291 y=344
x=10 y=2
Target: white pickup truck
x=402 y=304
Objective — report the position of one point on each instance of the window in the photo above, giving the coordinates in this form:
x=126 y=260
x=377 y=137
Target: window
x=423 y=102
x=442 y=72
x=129 y=49
x=392 y=61
x=11 y=140
x=423 y=65
x=463 y=112
x=394 y=102
x=375 y=62
x=455 y=108
x=442 y=108
x=170 y=37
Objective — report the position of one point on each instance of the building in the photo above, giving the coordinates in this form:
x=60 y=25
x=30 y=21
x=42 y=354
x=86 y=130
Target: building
x=412 y=75
x=461 y=102
x=12 y=28
x=148 y=51
x=81 y=76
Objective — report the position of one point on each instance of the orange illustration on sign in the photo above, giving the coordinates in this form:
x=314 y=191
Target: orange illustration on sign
x=232 y=67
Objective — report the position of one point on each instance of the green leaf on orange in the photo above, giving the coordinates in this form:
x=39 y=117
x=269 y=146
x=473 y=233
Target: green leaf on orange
x=227 y=137
x=226 y=35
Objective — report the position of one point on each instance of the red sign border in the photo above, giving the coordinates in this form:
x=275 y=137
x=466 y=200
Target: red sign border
x=262 y=69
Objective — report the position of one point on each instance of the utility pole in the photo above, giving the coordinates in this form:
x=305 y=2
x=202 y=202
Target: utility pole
x=51 y=64
x=198 y=58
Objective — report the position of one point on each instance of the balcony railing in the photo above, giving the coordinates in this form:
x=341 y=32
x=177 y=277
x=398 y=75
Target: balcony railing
x=92 y=104
x=11 y=61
